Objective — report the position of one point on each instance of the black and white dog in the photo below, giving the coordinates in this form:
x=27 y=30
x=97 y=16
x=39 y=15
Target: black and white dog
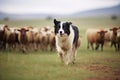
x=66 y=36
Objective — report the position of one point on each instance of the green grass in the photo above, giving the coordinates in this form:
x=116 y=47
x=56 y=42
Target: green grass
x=46 y=65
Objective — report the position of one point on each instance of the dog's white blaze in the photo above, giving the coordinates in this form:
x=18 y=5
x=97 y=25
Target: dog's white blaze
x=61 y=28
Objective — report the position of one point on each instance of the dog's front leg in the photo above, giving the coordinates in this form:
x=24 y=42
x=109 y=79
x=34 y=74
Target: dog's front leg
x=74 y=56
x=61 y=55
x=67 y=57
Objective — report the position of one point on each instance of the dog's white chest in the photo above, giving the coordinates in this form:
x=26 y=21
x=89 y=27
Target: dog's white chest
x=63 y=42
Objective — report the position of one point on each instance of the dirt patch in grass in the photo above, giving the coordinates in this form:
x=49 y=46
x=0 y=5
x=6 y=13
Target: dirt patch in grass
x=105 y=78
x=103 y=68
x=112 y=60
x=112 y=73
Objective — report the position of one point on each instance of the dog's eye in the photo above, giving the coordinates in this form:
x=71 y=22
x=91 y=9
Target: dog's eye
x=58 y=26
x=64 y=27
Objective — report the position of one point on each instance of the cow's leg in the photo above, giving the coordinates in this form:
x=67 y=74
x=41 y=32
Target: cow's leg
x=111 y=44
x=23 y=48
x=115 y=46
x=92 y=46
x=88 y=45
x=102 y=46
x=97 y=46
x=35 y=46
x=118 y=46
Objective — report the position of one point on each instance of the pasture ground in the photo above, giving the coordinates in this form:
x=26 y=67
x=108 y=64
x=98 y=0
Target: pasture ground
x=46 y=65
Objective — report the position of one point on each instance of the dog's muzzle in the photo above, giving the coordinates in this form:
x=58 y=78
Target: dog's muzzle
x=61 y=33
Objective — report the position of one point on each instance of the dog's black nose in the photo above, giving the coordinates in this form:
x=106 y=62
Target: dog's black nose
x=60 y=32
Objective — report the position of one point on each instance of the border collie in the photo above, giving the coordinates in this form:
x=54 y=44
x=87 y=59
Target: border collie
x=66 y=36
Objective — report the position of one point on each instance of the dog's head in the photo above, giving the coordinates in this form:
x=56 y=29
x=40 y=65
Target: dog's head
x=62 y=28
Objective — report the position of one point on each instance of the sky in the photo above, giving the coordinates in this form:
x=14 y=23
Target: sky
x=53 y=6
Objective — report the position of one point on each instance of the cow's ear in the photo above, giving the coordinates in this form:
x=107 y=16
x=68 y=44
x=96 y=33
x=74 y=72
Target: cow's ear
x=26 y=30
x=111 y=29
x=6 y=26
x=98 y=32
x=19 y=30
x=56 y=22
x=105 y=31
x=8 y=29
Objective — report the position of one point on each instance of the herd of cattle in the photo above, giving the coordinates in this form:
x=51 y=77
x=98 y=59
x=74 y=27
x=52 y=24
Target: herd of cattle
x=44 y=38
x=26 y=38
x=99 y=37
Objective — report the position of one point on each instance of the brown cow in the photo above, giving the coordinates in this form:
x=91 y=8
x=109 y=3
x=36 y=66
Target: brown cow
x=95 y=36
x=101 y=39
x=118 y=39
x=2 y=36
x=23 y=39
x=114 y=37
x=11 y=37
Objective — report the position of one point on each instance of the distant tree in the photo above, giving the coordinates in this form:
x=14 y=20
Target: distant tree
x=113 y=17
x=49 y=18
x=5 y=18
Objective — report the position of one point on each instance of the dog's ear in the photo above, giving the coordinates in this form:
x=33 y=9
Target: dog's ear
x=69 y=23
x=56 y=22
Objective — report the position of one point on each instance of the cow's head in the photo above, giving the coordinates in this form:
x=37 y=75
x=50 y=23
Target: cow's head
x=114 y=31
x=23 y=31
x=102 y=34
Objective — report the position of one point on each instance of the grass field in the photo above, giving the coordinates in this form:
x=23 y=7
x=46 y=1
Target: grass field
x=46 y=65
